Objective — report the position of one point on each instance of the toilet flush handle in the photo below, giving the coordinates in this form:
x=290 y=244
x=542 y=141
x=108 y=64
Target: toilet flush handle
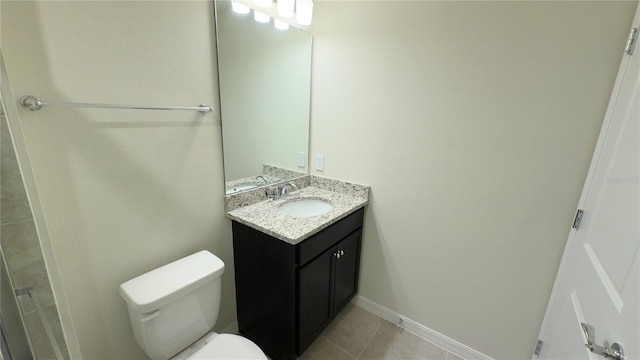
x=150 y=316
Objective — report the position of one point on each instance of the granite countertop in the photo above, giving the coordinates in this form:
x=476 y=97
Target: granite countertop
x=264 y=216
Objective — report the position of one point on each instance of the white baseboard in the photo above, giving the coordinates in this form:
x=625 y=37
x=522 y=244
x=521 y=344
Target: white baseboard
x=422 y=331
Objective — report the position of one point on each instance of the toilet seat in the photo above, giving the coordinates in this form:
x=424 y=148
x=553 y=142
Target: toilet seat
x=222 y=346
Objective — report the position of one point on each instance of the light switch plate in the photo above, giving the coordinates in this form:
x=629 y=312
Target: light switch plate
x=302 y=159
x=319 y=162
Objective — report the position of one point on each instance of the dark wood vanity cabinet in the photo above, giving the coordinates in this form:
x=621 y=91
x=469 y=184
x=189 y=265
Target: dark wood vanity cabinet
x=287 y=294
x=325 y=286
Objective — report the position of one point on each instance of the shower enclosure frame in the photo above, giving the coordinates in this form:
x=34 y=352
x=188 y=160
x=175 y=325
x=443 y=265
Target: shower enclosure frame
x=13 y=123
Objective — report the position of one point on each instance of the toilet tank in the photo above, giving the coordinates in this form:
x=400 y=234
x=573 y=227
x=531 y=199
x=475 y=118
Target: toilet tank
x=173 y=306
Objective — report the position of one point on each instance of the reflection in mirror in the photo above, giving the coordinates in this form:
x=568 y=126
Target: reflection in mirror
x=265 y=84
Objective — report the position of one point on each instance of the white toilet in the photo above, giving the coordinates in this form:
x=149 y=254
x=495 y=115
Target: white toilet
x=173 y=309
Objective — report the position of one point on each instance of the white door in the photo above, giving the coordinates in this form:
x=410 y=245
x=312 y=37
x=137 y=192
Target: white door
x=598 y=281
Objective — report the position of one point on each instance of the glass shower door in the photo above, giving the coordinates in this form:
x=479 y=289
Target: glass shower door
x=14 y=341
x=30 y=322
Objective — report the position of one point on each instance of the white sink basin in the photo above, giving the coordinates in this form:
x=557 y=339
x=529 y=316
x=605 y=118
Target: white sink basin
x=305 y=207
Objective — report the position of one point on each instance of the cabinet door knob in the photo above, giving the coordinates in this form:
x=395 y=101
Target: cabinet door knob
x=341 y=252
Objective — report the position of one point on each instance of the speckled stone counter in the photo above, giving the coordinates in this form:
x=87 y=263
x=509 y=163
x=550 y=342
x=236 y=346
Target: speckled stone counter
x=264 y=215
x=280 y=173
x=270 y=175
x=252 y=182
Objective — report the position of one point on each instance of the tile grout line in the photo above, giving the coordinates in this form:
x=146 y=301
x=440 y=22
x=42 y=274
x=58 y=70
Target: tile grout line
x=16 y=221
x=417 y=330
x=338 y=346
x=369 y=342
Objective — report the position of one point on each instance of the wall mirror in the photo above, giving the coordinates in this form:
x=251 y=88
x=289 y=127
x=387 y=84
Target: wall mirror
x=265 y=85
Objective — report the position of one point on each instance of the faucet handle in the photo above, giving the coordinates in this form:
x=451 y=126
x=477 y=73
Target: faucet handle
x=285 y=192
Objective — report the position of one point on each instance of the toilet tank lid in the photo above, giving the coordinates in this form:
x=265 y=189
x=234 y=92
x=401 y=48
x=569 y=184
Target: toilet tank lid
x=156 y=288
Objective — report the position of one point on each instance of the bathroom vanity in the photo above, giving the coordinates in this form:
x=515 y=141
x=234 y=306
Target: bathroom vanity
x=289 y=289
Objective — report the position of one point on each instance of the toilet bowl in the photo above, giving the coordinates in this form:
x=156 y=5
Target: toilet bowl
x=173 y=308
x=221 y=346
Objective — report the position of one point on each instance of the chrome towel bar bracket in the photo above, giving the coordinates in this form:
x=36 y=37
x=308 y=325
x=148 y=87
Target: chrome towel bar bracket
x=33 y=103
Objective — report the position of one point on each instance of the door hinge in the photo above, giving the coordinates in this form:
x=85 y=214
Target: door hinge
x=538 y=348
x=631 y=42
x=578 y=219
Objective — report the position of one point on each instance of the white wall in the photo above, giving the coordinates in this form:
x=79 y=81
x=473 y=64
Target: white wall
x=123 y=191
x=474 y=124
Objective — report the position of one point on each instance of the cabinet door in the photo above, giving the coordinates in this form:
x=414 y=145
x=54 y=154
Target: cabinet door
x=347 y=264
x=314 y=284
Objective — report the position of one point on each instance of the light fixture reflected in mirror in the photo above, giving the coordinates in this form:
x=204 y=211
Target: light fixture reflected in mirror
x=239 y=8
x=260 y=17
x=283 y=11
x=264 y=3
x=280 y=25
x=286 y=8
x=304 y=12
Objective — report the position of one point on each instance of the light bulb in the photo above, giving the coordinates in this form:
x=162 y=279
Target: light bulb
x=260 y=17
x=280 y=25
x=239 y=8
x=304 y=12
x=263 y=3
x=285 y=8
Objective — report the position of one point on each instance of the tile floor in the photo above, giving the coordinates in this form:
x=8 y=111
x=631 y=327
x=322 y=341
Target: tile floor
x=359 y=334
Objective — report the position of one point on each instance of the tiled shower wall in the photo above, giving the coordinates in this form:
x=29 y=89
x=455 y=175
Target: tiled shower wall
x=23 y=253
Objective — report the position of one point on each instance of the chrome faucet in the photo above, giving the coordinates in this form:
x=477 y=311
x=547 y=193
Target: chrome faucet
x=263 y=179
x=284 y=191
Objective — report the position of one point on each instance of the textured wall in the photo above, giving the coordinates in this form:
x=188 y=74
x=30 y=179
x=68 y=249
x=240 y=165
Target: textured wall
x=123 y=191
x=474 y=123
